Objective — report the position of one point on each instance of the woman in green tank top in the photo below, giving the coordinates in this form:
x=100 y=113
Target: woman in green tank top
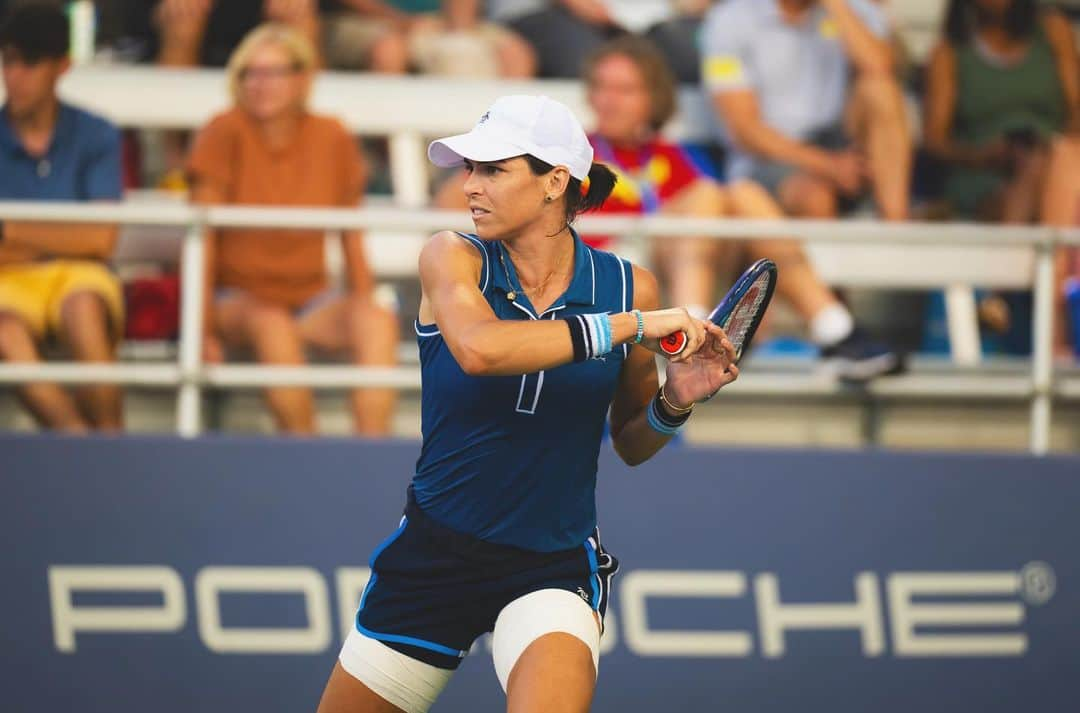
x=1002 y=84
x=1002 y=112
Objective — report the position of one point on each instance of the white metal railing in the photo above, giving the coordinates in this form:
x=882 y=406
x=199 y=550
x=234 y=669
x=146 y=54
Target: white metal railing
x=191 y=376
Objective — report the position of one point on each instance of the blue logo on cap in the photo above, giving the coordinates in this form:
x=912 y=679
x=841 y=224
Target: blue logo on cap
x=485 y=117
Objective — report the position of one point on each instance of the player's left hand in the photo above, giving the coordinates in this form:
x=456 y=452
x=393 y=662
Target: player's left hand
x=707 y=370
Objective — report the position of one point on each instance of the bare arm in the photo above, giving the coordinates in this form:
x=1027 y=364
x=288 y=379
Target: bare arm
x=869 y=53
x=485 y=345
x=78 y=240
x=741 y=114
x=461 y=14
x=357 y=268
x=1063 y=42
x=709 y=370
x=632 y=437
x=939 y=107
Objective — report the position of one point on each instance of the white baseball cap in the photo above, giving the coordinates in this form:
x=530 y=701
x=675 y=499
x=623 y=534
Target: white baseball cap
x=517 y=125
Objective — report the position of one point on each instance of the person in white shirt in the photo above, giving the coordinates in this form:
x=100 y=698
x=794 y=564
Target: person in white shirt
x=809 y=101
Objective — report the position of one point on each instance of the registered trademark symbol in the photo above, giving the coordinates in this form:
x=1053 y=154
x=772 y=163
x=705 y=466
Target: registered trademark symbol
x=1037 y=583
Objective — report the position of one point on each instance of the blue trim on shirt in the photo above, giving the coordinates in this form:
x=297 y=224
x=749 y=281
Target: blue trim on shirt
x=484 y=258
x=582 y=287
x=425 y=330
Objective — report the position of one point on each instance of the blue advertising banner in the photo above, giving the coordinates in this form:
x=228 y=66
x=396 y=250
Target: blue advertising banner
x=220 y=575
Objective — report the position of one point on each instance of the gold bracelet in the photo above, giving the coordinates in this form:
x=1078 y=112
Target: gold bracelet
x=675 y=409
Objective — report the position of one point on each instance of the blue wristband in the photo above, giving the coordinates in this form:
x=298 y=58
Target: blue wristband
x=609 y=339
x=659 y=426
x=661 y=422
x=598 y=334
x=640 y=325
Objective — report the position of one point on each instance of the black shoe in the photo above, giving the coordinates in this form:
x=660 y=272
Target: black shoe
x=861 y=358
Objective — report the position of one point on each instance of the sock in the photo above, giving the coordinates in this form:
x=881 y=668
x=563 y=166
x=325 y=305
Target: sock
x=698 y=311
x=831 y=325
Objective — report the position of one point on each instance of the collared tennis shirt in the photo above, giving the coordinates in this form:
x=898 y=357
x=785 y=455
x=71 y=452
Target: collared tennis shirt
x=82 y=162
x=799 y=71
x=512 y=459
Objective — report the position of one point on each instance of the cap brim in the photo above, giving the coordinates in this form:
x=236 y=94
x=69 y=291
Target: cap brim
x=473 y=146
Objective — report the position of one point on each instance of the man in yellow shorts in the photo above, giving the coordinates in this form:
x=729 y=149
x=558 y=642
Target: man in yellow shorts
x=54 y=284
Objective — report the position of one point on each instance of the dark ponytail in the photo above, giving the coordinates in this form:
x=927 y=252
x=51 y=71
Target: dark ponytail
x=601 y=183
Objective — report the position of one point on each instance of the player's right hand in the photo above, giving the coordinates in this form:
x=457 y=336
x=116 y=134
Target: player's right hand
x=662 y=322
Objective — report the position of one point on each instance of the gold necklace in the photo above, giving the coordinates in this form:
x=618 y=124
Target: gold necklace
x=512 y=294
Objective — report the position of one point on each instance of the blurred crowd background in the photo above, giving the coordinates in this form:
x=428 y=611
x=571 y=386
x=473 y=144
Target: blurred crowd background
x=824 y=109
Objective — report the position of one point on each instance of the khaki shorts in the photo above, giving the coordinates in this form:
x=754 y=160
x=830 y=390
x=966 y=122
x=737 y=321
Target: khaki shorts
x=36 y=292
x=433 y=49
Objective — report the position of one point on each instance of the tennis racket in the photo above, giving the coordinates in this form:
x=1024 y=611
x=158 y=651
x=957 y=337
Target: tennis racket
x=739 y=313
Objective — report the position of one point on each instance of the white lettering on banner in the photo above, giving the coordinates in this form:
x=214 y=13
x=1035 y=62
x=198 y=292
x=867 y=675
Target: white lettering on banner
x=350 y=587
x=863 y=614
x=907 y=615
x=313 y=638
x=640 y=585
x=914 y=606
x=67 y=619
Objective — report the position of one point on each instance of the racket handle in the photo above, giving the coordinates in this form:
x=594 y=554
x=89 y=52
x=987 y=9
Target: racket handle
x=673 y=344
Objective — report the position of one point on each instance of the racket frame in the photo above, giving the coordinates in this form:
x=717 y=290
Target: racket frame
x=674 y=344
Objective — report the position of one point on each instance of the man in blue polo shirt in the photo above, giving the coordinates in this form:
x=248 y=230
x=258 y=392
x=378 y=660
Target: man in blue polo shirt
x=53 y=280
x=812 y=111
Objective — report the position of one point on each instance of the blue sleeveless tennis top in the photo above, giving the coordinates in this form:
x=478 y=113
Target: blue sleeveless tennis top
x=512 y=459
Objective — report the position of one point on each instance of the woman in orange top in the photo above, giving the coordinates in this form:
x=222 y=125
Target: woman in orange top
x=268 y=289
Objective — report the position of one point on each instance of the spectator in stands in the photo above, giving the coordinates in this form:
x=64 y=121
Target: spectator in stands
x=268 y=289
x=444 y=37
x=632 y=94
x=190 y=33
x=565 y=32
x=54 y=283
x=1002 y=111
x=808 y=97
x=1003 y=85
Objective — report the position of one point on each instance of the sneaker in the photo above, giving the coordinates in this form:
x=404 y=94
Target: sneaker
x=861 y=358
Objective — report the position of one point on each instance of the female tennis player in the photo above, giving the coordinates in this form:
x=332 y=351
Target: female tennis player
x=528 y=338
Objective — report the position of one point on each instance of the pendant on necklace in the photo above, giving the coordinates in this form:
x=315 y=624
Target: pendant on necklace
x=511 y=295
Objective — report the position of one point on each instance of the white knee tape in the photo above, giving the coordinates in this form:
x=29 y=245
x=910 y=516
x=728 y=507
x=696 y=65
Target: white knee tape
x=527 y=618
x=409 y=684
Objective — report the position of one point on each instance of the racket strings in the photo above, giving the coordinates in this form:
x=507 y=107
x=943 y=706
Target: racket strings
x=745 y=315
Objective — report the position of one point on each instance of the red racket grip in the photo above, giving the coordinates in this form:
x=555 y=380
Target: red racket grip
x=673 y=344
